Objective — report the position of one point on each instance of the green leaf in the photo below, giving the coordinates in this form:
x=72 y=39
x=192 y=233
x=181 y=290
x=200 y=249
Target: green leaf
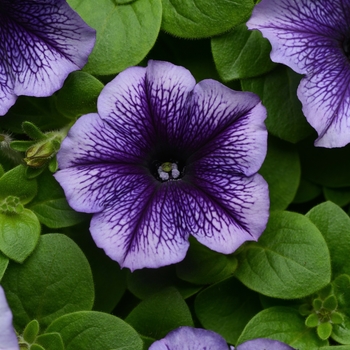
x=334 y=225
x=283 y=324
x=146 y=282
x=50 y=341
x=33 y=131
x=51 y=206
x=31 y=331
x=204 y=266
x=226 y=307
x=79 y=94
x=201 y=18
x=307 y=191
x=9 y=185
x=241 y=54
x=156 y=316
x=19 y=234
x=95 y=330
x=55 y=280
x=277 y=91
x=290 y=260
x=324 y=330
x=125 y=33
x=281 y=170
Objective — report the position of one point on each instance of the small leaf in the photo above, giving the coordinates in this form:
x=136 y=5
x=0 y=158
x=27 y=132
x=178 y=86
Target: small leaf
x=95 y=330
x=33 y=131
x=330 y=303
x=19 y=234
x=50 y=341
x=31 y=331
x=324 y=330
x=312 y=321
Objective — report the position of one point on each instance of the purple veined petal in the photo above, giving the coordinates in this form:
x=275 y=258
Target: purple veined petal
x=224 y=211
x=226 y=128
x=169 y=88
x=301 y=31
x=326 y=102
x=188 y=338
x=42 y=42
x=263 y=344
x=145 y=227
x=8 y=338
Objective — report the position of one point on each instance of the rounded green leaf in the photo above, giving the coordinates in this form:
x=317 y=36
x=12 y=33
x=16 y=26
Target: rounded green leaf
x=55 y=280
x=9 y=185
x=125 y=33
x=281 y=170
x=277 y=91
x=290 y=260
x=202 y=18
x=31 y=331
x=92 y=330
x=226 y=307
x=339 y=196
x=50 y=341
x=334 y=225
x=78 y=95
x=241 y=54
x=157 y=315
x=19 y=234
x=307 y=191
x=324 y=330
x=284 y=324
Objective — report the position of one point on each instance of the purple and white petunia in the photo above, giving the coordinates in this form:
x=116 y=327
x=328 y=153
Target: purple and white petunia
x=188 y=338
x=8 y=338
x=165 y=158
x=42 y=41
x=313 y=38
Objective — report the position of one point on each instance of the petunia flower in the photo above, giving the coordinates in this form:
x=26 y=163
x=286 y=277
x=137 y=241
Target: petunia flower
x=165 y=158
x=313 y=38
x=8 y=338
x=42 y=41
x=188 y=338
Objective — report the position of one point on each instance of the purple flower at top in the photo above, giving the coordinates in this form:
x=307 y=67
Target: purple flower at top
x=313 y=38
x=165 y=158
x=188 y=338
x=42 y=41
x=8 y=338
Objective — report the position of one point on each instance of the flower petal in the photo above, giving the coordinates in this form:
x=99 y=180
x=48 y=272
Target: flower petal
x=8 y=338
x=42 y=42
x=301 y=31
x=326 y=102
x=263 y=344
x=188 y=338
x=224 y=211
x=145 y=227
x=226 y=128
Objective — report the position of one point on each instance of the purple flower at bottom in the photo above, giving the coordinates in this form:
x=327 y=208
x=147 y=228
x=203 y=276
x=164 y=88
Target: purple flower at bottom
x=313 y=38
x=8 y=338
x=188 y=338
x=165 y=158
x=42 y=41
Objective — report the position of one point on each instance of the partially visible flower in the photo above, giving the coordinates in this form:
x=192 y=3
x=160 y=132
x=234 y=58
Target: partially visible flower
x=188 y=338
x=313 y=38
x=42 y=41
x=165 y=158
x=8 y=338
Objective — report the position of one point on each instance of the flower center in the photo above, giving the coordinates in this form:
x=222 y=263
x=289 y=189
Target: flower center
x=346 y=47
x=168 y=171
